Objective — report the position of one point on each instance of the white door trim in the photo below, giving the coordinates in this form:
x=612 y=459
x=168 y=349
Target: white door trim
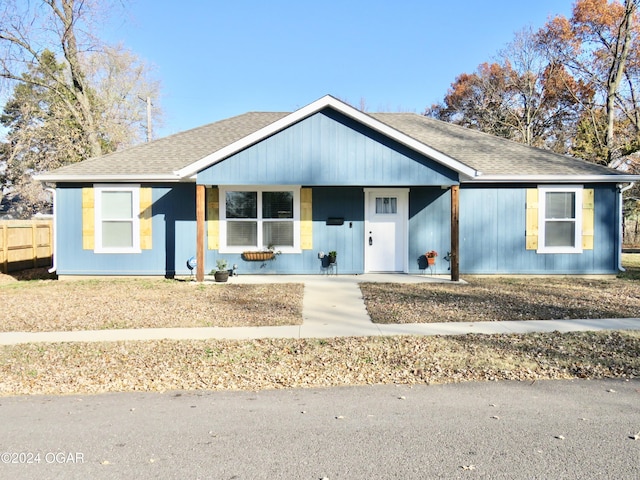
x=403 y=210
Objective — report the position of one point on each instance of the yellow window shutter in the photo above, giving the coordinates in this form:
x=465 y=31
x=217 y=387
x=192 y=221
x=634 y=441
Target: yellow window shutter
x=213 y=218
x=588 y=207
x=88 y=219
x=146 y=215
x=306 y=219
x=532 y=219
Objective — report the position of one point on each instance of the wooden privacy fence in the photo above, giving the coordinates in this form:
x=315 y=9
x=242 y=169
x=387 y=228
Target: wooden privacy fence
x=25 y=244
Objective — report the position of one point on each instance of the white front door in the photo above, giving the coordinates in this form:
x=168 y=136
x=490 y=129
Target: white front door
x=386 y=213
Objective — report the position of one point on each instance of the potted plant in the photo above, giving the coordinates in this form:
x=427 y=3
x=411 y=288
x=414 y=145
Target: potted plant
x=431 y=257
x=222 y=273
x=332 y=257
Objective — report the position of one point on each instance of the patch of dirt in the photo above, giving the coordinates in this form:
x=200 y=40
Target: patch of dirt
x=41 y=273
x=500 y=298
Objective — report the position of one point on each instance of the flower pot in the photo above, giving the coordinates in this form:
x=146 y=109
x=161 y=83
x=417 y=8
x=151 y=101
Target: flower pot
x=431 y=261
x=221 y=275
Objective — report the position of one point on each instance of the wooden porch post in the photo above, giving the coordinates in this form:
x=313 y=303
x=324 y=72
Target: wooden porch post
x=455 y=233
x=200 y=206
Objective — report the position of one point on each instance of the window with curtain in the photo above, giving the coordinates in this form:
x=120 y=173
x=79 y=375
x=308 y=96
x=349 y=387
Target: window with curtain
x=386 y=205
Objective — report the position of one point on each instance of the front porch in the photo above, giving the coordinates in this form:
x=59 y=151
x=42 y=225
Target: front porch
x=316 y=222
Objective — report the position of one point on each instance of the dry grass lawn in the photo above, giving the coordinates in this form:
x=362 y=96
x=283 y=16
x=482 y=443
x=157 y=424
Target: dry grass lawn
x=508 y=298
x=49 y=305
x=499 y=298
x=82 y=368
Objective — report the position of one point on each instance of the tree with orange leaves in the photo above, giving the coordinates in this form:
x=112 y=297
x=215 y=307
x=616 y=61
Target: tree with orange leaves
x=521 y=97
x=600 y=46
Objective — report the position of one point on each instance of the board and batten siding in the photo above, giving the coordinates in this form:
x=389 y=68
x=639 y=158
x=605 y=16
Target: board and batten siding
x=316 y=206
x=167 y=229
x=327 y=149
x=493 y=233
x=429 y=226
x=428 y=229
x=496 y=237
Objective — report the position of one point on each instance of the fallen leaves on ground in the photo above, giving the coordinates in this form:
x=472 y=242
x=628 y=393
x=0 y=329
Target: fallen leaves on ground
x=502 y=298
x=287 y=363
x=50 y=305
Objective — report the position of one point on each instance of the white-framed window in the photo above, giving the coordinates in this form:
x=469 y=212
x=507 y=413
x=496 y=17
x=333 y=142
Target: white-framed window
x=117 y=218
x=386 y=205
x=255 y=218
x=560 y=219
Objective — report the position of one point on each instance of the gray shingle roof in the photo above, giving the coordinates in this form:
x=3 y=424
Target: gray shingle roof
x=488 y=154
x=168 y=154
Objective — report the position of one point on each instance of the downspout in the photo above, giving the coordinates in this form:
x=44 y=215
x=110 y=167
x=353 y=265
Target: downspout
x=620 y=213
x=55 y=229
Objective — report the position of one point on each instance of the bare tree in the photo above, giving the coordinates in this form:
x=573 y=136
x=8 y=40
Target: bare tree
x=123 y=82
x=70 y=96
x=28 y=30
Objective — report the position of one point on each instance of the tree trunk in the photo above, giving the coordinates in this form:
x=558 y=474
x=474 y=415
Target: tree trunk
x=620 y=52
x=78 y=82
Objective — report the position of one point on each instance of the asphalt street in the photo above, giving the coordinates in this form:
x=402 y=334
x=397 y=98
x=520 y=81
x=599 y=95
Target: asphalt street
x=516 y=430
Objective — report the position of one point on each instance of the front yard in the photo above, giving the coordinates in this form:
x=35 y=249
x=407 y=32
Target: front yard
x=499 y=298
x=50 y=305
x=85 y=368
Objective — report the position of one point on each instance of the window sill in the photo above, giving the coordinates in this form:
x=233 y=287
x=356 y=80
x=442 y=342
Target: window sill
x=117 y=250
x=559 y=250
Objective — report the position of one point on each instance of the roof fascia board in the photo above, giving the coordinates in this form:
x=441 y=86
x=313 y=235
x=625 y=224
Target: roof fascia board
x=307 y=111
x=107 y=178
x=552 y=179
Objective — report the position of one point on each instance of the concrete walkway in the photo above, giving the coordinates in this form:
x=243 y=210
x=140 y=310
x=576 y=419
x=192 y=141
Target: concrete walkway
x=332 y=307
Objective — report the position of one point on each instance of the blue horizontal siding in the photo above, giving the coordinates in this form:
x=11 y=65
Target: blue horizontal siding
x=327 y=149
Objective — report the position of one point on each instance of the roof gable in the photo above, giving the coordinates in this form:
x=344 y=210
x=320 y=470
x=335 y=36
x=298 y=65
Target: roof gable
x=327 y=148
x=474 y=156
x=326 y=102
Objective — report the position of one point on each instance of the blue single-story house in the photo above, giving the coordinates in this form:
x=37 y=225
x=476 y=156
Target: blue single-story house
x=380 y=189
